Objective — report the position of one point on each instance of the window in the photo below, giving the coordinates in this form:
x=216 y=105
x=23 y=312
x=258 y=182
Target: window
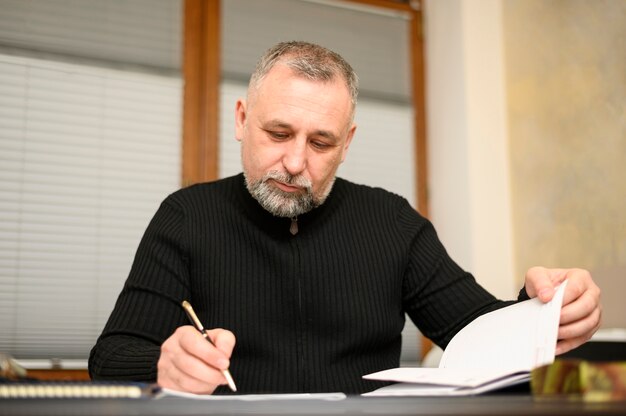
x=84 y=88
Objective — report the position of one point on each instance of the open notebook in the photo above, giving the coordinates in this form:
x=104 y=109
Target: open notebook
x=496 y=350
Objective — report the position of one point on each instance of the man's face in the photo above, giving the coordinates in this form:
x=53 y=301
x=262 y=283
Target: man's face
x=294 y=133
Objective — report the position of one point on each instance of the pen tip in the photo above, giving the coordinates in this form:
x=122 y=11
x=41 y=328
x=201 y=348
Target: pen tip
x=229 y=379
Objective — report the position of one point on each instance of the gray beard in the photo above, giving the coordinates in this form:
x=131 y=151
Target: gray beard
x=284 y=204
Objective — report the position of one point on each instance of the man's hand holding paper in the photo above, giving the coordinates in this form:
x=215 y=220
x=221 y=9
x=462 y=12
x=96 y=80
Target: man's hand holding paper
x=581 y=312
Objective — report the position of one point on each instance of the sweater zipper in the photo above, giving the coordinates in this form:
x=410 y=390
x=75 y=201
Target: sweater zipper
x=300 y=343
x=293 y=228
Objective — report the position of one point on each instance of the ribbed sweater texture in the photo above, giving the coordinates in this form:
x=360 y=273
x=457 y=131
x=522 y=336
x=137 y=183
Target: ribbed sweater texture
x=311 y=312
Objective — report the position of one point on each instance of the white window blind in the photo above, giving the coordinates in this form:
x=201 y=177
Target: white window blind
x=75 y=197
x=137 y=32
x=372 y=39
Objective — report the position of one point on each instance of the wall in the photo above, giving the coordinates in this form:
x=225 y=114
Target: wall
x=527 y=139
x=566 y=83
x=469 y=191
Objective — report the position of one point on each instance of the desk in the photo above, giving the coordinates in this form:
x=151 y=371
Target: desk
x=509 y=405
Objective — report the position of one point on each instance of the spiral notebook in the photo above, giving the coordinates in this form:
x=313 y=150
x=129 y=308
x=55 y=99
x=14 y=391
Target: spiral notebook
x=34 y=389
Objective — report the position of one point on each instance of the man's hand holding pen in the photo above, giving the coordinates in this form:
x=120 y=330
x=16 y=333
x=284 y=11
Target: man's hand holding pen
x=189 y=363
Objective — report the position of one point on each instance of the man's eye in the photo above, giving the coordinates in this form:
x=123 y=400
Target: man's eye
x=279 y=135
x=320 y=145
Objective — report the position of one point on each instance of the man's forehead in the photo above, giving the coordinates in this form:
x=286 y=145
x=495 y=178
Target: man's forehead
x=281 y=72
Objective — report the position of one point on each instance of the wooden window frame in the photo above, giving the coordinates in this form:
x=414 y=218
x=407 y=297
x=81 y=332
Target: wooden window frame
x=201 y=73
x=202 y=76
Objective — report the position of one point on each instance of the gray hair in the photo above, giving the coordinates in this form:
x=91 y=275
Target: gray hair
x=308 y=60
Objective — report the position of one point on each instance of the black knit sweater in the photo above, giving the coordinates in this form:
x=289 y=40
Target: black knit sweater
x=312 y=312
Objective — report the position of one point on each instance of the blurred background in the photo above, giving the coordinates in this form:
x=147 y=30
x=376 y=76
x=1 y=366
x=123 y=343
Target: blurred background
x=503 y=121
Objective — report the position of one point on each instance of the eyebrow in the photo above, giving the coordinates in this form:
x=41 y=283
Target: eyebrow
x=284 y=125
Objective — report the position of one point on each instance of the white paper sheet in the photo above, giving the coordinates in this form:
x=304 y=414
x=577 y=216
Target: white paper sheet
x=254 y=397
x=496 y=350
x=449 y=377
x=520 y=336
x=416 y=389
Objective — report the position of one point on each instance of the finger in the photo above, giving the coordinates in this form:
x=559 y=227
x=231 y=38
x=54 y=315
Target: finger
x=541 y=282
x=195 y=344
x=577 y=306
x=580 y=283
x=197 y=371
x=565 y=345
x=223 y=339
x=582 y=327
x=172 y=377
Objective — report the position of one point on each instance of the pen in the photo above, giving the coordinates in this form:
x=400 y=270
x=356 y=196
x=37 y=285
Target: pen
x=196 y=322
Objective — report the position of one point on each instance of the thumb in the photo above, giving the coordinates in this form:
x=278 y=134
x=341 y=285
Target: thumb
x=540 y=282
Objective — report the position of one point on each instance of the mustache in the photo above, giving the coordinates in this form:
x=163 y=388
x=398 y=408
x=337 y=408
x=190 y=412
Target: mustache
x=284 y=177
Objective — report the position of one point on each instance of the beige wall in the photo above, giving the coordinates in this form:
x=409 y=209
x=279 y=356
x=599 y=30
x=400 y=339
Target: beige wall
x=526 y=107
x=469 y=192
x=566 y=96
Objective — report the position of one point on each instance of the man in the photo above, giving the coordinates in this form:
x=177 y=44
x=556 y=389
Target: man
x=310 y=276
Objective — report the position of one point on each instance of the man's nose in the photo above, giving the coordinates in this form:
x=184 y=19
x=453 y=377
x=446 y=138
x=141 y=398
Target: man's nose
x=295 y=157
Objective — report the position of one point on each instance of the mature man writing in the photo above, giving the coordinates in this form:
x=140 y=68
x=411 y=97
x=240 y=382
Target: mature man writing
x=303 y=278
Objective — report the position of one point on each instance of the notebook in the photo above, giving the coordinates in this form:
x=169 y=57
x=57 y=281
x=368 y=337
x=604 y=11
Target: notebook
x=33 y=389
x=496 y=350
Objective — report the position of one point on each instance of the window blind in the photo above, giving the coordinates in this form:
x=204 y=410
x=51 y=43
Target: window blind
x=75 y=197
x=376 y=44
x=137 y=32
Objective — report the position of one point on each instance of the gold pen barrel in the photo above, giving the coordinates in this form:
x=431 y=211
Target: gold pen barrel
x=194 y=318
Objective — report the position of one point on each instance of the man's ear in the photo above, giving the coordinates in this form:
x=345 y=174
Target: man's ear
x=348 y=141
x=240 y=119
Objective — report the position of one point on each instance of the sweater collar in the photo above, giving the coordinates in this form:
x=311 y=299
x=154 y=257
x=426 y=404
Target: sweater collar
x=280 y=226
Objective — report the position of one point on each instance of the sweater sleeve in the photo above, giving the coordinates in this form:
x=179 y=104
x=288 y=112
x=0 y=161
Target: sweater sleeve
x=438 y=295
x=148 y=309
